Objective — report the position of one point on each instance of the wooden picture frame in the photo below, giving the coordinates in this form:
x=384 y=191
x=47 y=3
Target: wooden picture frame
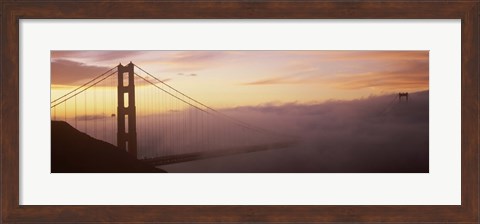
x=13 y=11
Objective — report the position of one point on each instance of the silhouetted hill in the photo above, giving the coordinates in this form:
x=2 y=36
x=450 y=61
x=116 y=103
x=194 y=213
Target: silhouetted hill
x=76 y=152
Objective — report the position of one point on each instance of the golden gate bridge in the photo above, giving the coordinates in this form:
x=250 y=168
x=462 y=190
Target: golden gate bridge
x=155 y=122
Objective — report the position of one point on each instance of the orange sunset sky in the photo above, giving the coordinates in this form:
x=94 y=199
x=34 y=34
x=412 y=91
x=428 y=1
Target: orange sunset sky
x=225 y=79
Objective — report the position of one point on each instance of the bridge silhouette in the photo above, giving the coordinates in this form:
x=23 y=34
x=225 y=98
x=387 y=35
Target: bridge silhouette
x=155 y=122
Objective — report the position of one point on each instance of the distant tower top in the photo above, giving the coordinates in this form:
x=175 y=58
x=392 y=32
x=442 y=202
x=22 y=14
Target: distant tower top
x=403 y=95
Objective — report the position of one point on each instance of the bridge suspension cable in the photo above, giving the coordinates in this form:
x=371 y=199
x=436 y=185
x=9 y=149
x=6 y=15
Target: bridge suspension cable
x=83 y=85
x=239 y=122
x=169 y=122
x=88 y=87
x=146 y=80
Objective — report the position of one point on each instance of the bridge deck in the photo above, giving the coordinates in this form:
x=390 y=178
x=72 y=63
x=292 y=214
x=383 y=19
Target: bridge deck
x=164 y=160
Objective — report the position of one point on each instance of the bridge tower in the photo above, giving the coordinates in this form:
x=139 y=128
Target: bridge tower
x=403 y=95
x=126 y=131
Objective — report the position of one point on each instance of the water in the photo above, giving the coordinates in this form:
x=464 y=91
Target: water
x=275 y=160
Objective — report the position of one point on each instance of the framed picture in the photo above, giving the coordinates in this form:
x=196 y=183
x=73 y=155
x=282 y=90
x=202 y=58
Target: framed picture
x=267 y=119
x=236 y=111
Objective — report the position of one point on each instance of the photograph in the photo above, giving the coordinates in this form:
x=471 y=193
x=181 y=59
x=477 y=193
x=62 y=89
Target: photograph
x=239 y=111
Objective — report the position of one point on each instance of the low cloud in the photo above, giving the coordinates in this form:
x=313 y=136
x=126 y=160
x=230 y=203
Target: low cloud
x=66 y=72
x=184 y=74
x=376 y=134
x=377 y=55
x=408 y=75
x=97 y=56
x=94 y=117
x=365 y=135
x=197 y=56
x=275 y=80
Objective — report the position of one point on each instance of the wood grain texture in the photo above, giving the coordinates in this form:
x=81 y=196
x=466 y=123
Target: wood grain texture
x=1 y=109
x=12 y=11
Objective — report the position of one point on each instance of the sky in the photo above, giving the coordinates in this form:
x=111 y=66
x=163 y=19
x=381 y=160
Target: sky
x=226 y=79
x=341 y=105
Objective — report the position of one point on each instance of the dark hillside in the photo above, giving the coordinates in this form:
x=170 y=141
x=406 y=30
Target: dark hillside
x=76 y=152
